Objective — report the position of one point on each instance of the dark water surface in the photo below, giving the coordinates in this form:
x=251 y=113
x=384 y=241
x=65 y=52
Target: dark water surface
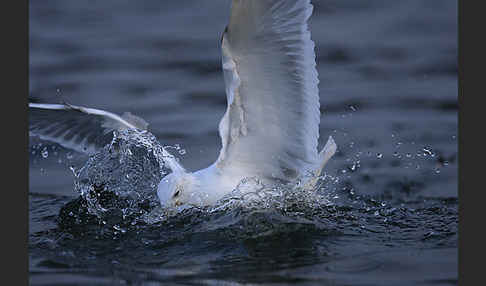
x=388 y=89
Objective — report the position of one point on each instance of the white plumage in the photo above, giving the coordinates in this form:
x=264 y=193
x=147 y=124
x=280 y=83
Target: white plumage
x=271 y=126
x=272 y=120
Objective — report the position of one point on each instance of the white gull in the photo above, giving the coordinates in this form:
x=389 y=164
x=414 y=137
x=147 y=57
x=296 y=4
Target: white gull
x=270 y=129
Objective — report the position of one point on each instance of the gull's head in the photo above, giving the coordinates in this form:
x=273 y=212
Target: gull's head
x=177 y=189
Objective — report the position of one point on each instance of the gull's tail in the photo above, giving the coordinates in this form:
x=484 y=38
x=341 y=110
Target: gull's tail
x=326 y=153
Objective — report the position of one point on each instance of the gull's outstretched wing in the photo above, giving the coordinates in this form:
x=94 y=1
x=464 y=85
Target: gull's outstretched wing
x=271 y=125
x=85 y=130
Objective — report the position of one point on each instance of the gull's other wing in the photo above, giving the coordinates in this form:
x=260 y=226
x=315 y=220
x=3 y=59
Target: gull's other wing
x=82 y=129
x=86 y=130
x=271 y=125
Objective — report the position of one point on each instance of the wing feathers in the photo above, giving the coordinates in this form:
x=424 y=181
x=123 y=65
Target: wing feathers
x=272 y=118
x=79 y=128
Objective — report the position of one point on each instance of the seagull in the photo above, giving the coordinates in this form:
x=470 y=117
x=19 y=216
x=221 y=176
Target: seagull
x=270 y=129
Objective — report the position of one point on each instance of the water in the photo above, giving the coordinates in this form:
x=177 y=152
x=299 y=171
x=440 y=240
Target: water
x=385 y=214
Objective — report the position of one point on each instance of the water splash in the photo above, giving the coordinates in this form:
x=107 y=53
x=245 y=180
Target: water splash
x=290 y=201
x=118 y=191
x=118 y=186
x=121 y=180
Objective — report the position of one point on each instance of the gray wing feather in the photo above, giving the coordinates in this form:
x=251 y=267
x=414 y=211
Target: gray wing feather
x=82 y=129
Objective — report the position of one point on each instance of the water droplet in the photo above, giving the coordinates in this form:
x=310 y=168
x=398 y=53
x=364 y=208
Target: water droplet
x=427 y=151
x=73 y=169
x=45 y=153
x=69 y=155
x=117 y=227
x=182 y=151
x=352 y=108
x=379 y=155
x=377 y=213
x=408 y=155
